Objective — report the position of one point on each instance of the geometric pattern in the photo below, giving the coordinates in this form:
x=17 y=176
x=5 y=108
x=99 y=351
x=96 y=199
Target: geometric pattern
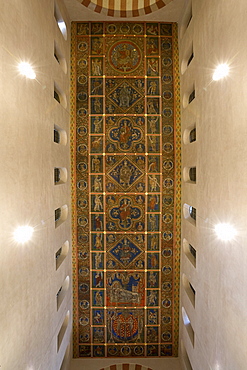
x=126 y=367
x=122 y=9
x=126 y=200
x=125 y=173
x=125 y=251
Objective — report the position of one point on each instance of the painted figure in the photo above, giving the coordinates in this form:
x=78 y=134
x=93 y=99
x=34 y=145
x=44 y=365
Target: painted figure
x=97 y=105
x=98 y=260
x=97 y=203
x=152 y=279
x=125 y=133
x=124 y=96
x=154 y=242
x=153 y=67
x=152 y=165
x=98 y=223
x=96 y=67
x=125 y=212
x=96 y=144
x=152 y=88
x=125 y=174
x=98 y=298
x=152 y=109
x=152 y=124
x=153 y=143
x=152 y=298
x=152 y=203
x=96 y=164
x=97 y=184
x=97 y=45
x=97 y=124
x=98 y=241
x=152 y=221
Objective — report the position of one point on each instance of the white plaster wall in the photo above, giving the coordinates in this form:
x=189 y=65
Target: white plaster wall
x=218 y=30
x=29 y=321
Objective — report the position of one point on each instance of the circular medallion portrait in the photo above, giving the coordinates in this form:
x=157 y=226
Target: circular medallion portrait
x=124 y=56
x=82 y=46
x=138 y=29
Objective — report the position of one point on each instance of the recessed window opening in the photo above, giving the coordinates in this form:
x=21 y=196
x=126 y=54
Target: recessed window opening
x=60 y=136
x=186 y=19
x=66 y=358
x=191 y=293
x=187 y=59
x=56 y=175
x=189 y=95
x=192 y=137
x=186 y=319
x=58 y=253
x=58 y=213
x=189 y=213
x=62 y=330
x=189 y=174
x=56 y=57
x=188 y=326
x=185 y=357
x=190 y=252
x=59 y=291
x=61 y=215
x=189 y=136
x=61 y=254
x=190 y=17
x=56 y=136
x=190 y=59
x=193 y=290
x=59 y=95
x=192 y=211
x=192 y=96
x=56 y=96
x=60 y=58
x=60 y=175
x=192 y=174
x=62 y=292
x=60 y=21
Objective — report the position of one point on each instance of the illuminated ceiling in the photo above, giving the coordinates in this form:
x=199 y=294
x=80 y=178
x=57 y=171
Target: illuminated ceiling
x=126 y=178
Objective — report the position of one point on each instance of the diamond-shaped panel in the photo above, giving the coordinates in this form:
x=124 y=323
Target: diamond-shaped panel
x=125 y=174
x=125 y=96
x=125 y=251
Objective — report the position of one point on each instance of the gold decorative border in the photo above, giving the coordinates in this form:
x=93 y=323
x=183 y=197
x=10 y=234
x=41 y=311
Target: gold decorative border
x=73 y=183
x=177 y=195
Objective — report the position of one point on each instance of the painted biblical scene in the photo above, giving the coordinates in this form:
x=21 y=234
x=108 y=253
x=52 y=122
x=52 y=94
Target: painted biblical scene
x=126 y=181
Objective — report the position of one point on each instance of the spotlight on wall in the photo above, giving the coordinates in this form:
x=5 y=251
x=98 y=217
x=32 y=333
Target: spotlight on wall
x=220 y=72
x=26 y=70
x=225 y=232
x=23 y=234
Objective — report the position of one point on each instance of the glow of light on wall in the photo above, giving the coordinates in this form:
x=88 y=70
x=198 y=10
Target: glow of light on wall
x=62 y=26
x=26 y=70
x=220 y=72
x=186 y=319
x=23 y=234
x=225 y=231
